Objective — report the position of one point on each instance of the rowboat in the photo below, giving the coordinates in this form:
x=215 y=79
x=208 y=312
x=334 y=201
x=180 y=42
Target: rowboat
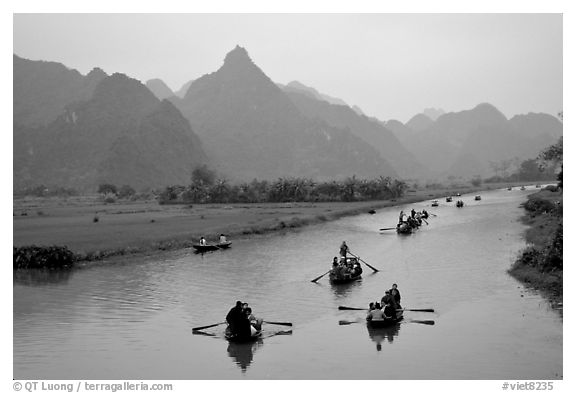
x=522 y=188
x=449 y=199
x=205 y=247
x=232 y=337
x=342 y=275
x=435 y=203
x=386 y=322
x=477 y=198
x=460 y=204
x=211 y=247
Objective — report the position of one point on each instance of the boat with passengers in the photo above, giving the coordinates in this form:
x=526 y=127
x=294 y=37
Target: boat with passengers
x=346 y=270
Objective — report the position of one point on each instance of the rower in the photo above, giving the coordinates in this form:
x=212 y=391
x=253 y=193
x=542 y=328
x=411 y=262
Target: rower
x=222 y=238
x=395 y=293
x=202 y=241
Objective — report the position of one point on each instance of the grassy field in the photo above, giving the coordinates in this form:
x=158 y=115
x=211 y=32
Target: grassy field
x=88 y=226
x=533 y=266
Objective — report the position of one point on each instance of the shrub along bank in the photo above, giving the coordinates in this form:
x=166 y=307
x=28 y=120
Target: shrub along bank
x=540 y=265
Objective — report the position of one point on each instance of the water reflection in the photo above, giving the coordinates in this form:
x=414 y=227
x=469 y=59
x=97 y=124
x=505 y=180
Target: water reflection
x=243 y=353
x=342 y=290
x=41 y=277
x=381 y=334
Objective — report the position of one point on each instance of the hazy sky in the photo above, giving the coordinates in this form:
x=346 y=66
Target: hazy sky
x=391 y=65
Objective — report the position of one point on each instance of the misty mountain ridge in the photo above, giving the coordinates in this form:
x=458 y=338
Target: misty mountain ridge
x=466 y=143
x=159 y=88
x=251 y=128
x=121 y=134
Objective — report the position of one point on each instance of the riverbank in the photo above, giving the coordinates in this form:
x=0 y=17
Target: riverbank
x=94 y=230
x=540 y=265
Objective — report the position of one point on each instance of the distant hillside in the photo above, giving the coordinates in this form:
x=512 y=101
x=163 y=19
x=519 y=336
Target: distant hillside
x=250 y=128
x=159 y=88
x=184 y=89
x=122 y=134
x=369 y=130
x=298 y=87
x=466 y=143
x=42 y=89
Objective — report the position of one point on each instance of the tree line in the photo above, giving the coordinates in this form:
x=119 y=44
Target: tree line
x=206 y=187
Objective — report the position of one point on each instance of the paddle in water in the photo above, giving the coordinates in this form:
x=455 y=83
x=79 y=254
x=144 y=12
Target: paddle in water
x=279 y=323
x=319 y=277
x=367 y=264
x=207 y=326
x=387 y=229
x=403 y=309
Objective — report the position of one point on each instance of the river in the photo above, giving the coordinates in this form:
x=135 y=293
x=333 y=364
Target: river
x=132 y=319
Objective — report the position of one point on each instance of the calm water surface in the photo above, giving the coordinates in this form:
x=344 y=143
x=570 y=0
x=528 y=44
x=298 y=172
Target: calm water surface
x=133 y=319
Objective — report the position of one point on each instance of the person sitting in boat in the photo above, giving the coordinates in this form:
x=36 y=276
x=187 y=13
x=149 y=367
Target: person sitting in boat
x=413 y=213
x=222 y=238
x=376 y=314
x=388 y=299
x=395 y=293
x=356 y=268
x=401 y=218
x=234 y=317
x=202 y=241
x=424 y=214
x=389 y=311
x=335 y=263
x=343 y=251
x=255 y=323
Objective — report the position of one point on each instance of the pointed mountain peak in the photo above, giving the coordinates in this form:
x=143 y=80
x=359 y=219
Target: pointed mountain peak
x=159 y=88
x=237 y=56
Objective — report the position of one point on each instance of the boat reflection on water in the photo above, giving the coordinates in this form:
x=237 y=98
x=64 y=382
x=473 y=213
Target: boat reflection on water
x=381 y=334
x=343 y=290
x=243 y=353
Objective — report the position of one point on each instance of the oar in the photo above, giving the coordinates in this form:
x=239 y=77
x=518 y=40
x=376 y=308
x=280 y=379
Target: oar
x=206 y=327
x=432 y=214
x=279 y=323
x=319 y=277
x=360 y=259
x=418 y=309
x=428 y=322
x=350 y=308
x=348 y=322
x=198 y=332
x=424 y=221
x=387 y=229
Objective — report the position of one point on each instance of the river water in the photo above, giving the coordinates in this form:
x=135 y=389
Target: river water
x=133 y=319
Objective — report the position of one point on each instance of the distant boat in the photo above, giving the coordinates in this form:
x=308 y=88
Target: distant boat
x=211 y=247
x=404 y=228
x=477 y=198
x=457 y=194
x=460 y=204
x=344 y=274
x=509 y=188
x=449 y=199
x=435 y=202
x=522 y=188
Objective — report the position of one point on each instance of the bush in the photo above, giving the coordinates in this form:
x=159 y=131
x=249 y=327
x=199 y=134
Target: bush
x=33 y=257
x=537 y=205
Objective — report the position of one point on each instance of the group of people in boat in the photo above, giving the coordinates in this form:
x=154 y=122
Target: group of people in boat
x=221 y=240
x=414 y=219
x=344 y=265
x=241 y=321
x=387 y=307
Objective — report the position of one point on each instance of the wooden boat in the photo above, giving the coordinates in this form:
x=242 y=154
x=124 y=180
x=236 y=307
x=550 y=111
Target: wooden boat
x=241 y=338
x=509 y=188
x=404 y=228
x=449 y=199
x=341 y=275
x=460 y=204
x=522 y=188
x=381 y=323
x=205 y=248
x=477 y=198
x=435 y=203
x=211 y=247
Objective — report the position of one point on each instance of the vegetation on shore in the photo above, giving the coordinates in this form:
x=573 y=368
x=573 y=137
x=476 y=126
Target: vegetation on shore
x=540 y=265
x=34 y=257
